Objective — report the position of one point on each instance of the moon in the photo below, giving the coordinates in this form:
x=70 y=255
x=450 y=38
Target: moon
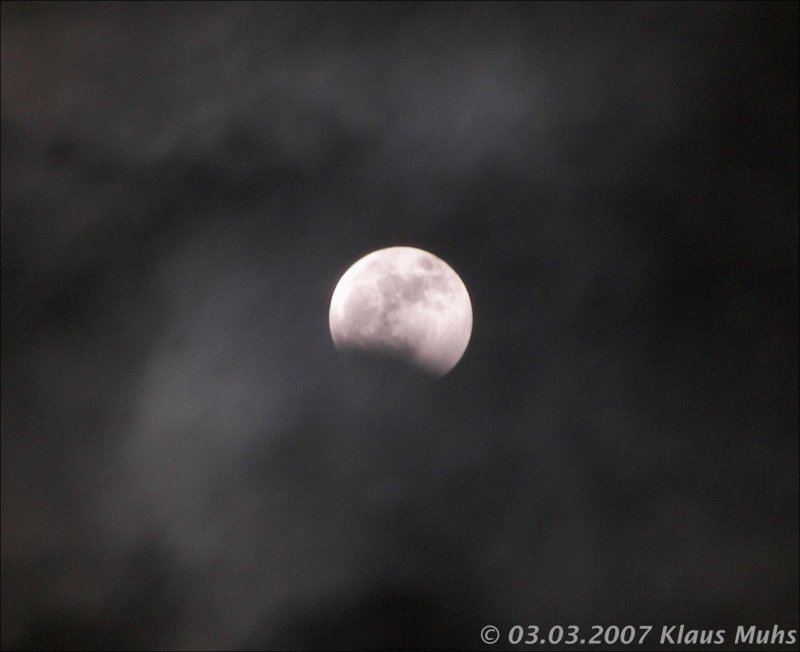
x=405 y=303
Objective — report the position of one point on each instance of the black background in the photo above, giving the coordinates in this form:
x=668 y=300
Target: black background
x=188 y=462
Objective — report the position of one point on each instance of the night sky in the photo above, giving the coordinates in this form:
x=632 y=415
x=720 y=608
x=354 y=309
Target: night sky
x=188 y=462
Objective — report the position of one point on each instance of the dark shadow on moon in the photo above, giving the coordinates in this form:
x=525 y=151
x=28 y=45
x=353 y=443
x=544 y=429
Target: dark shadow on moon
x=396 y=361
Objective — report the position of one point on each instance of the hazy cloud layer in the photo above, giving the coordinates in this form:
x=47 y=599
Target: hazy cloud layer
x=186 y=460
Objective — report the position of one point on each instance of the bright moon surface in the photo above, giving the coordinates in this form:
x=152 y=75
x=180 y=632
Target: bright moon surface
x=406 y=303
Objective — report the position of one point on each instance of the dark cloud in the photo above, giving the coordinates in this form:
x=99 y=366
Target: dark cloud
x=187 y=462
